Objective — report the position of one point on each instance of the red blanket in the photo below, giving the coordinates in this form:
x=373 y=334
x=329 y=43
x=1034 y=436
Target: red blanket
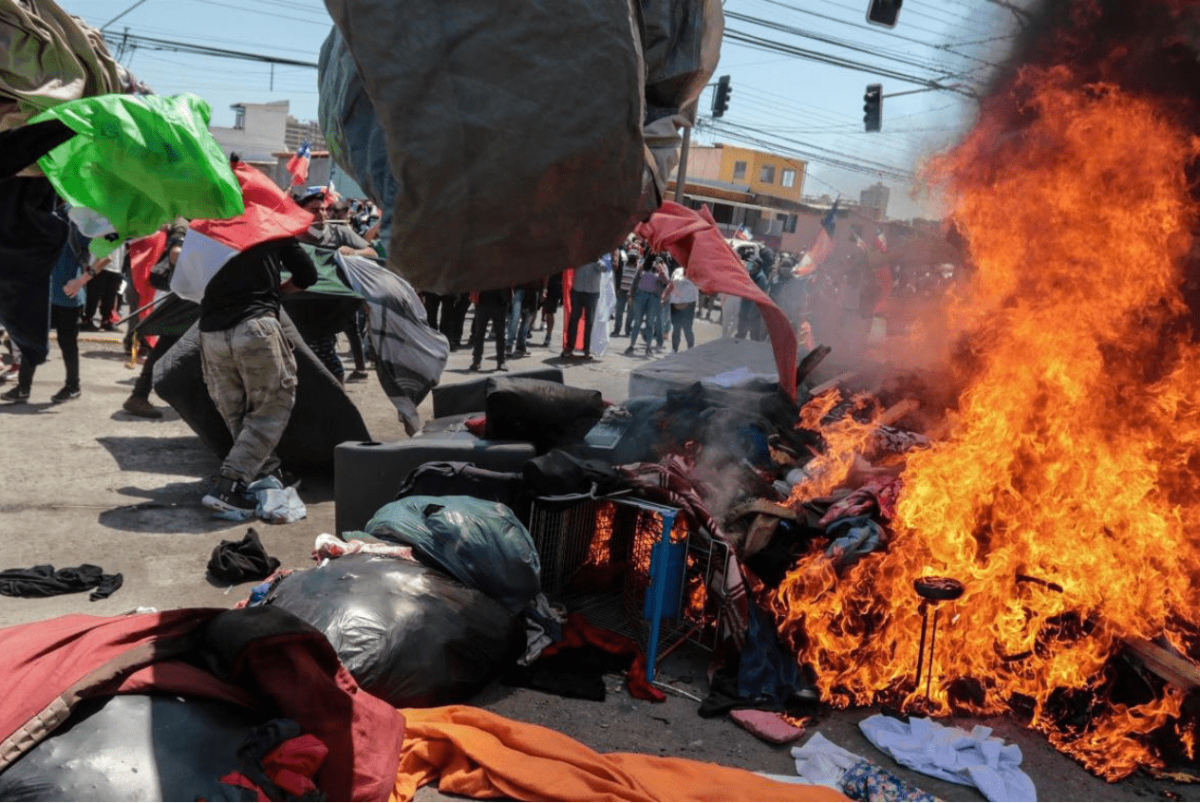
x=696 y=243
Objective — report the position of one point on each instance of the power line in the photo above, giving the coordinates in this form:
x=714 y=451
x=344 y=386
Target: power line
x=151 y=43
x=836 y=61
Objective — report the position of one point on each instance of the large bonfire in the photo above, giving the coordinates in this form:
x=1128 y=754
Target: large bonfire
x=1064 y=489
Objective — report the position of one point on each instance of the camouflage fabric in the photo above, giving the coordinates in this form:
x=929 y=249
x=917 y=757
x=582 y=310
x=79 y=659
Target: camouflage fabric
x=250 y=372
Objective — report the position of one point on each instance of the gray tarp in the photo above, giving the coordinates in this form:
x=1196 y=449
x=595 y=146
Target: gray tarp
x=514 y=133
x=410 y=355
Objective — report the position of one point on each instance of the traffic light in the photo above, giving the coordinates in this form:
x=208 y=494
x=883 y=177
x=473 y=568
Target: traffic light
x=721 y=96
x=873 y=107
x=884 y=12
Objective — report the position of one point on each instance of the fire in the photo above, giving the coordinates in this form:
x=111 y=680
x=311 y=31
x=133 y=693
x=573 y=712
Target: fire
x=1064 y=495
x=845 y=438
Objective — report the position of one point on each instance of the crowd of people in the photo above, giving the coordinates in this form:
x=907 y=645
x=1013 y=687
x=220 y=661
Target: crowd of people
x=632 y=292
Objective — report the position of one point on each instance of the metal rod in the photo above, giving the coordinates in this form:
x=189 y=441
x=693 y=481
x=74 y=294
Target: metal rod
x=924 y=609
x=932 y=644
x=140 y=310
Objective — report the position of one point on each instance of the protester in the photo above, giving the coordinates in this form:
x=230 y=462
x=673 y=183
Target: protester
x=624 y=284
x=551 y=302
x=682 y=295
x=647 y=288
x=585 y=295
x=67 y=297
x=527 y=299
x=102 y=293
x=138 y=403
x=492 y=306
x=249 y=367
x=750 y=322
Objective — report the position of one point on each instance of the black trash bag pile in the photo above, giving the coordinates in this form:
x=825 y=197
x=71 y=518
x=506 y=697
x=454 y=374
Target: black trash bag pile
x=137 y=747
x=480 y=543
x=410 y=634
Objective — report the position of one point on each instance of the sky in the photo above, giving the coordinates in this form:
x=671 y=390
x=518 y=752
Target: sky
x=786 y=98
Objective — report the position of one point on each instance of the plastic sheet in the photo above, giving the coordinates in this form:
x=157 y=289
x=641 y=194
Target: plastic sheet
x=135 y=747
x=480 y=543
x=408 y=633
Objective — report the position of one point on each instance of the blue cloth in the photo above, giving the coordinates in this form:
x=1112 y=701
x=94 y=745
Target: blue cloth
x=71 y=262
x=852 y=538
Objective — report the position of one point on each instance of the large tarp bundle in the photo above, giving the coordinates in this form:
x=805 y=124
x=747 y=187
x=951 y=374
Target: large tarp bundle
x=322 y=418
x=514 y=136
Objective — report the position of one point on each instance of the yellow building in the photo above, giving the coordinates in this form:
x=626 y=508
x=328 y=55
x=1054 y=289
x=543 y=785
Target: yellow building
x=762 y=173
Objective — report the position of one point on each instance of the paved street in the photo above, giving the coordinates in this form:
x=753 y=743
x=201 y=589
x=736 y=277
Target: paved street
x=84 y=482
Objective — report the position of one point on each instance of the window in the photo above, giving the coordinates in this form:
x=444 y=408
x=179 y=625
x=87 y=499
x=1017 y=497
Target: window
x=789 y=225
x=767 y=174
x=787 y=178
x=739 y=170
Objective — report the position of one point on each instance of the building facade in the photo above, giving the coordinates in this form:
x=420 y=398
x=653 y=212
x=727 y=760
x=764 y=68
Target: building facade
x=873 y=201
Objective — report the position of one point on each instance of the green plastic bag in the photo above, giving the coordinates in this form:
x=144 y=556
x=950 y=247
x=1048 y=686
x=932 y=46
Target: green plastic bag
x=140 y=162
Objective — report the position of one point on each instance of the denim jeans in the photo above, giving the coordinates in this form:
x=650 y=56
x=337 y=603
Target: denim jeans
x=645 y=310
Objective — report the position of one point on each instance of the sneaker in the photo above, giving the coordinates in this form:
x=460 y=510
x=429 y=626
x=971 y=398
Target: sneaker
x=142 y=408
x=502 y=366
x=649 y=351
x=475 y=366
x=357 y=376
x=17 y=394
x=587 y=356
x=87 y=326
x=568 y=354
x=629 y=350
x=229 y=496
x=286 y=478
x=66 y=394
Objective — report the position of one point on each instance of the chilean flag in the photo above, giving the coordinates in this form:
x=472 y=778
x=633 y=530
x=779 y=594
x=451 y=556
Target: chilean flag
x=298 y=164
x=822 y=246
x=881 y=239
x=270 y=215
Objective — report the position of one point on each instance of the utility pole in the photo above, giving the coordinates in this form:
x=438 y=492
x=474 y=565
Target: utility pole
x=681 y=173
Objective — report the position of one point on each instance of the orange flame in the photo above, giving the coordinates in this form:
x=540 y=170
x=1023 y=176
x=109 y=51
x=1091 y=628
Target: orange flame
x=1065 y=494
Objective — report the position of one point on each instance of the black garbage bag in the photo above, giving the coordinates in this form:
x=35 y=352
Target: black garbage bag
x=480 y=543
x=546 y=414
x=137 y=747
x=506 y=126
x=410 y=634
x=468 y=479
x=323 y=417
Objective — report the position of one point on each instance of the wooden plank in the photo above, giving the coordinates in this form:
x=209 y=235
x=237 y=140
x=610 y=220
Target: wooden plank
x=897 y=411
x=1175 y=669
x=830 y=384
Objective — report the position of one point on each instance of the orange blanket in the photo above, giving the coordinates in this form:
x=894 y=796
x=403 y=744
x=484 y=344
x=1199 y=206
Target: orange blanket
x=481 y=755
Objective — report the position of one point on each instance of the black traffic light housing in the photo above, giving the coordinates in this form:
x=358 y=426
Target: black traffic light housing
x=884 y=12
x=721 y=96
x=873 y=107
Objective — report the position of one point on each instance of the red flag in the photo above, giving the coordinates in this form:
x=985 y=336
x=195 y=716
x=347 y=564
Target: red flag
x=696 y=243
x=298 y=164
x=270 y=214
x=822 y=246
x=880 y=239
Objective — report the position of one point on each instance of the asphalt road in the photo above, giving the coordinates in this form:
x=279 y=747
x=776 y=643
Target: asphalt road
x=84 y=482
